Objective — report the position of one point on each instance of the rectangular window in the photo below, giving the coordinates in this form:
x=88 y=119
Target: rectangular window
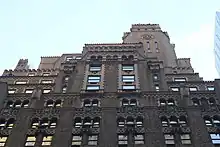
x=45 y=74
x=11 y=91
x=95 y=68
x=174 y=88
x=157 y=87
x=46 y=81
x=185 y=139
x=30 y=141
x=122 y=139
x=46 y=90
x=139 y=139
x=210 y=88
x=69 y=59
x=76 y=140
x=78 y=58
x=47 y=140
x=21 y=82
x=94 y=79
x=193 y=89
x=93 y=87
x=179 y=79
x=128 y=78
x=93 y=140
x=156 y=45
x=127 y=67
x=3 y=140
x=31 y=74
x=128 y=87
x=148 y=45
x=155 y=77
x=215 y=138
x=29 y=90
x=169 y=139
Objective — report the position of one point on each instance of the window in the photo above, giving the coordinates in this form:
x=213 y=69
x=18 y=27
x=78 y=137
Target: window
x=139 y=121
x=30 y=141
x=46 y=81
x=64 y=89
x=49 y=103
x=2 y=123
x=95 y=103
x=169 y=139
x=179 y=79
x=11 y=91
x=47 y=140
x=155 y=77
x=185 y=139
x=192 y=88
x=10 y=123
x=170 y=102
x=35 y=123
x=21 y=82
x=45 y=74
x=195 y=101
x=216 y=120
x=93 y=87
x=208 y=121
x=133 y=102
x=128 y=87
x=46 y=90
x=174 y=88
x=127 y=67
x=66 y=78
x=164 y=121
x=29 y=90
x=17 y=104
x=31 y=74
x=78 y=122
x=58 y=103
x=210 y=88
x=76 y=141
x=95 y=68
x=122 y=139
x=93 y=140
x=211 y=101
x=9 y=104
x=121 y=122
x=128 y=78
x=157 y=87
x=69 y=59
x=139 y=139
x=215 y=138
x=94 y=79
x=156 y=45
x=53 y=123
x=78 y=58
x=182 y=121
x=148 y=45
x=163 y=102
x=3 y=140
x=96 y=122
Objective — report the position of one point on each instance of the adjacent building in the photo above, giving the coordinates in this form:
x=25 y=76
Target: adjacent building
x=217 y=42
x=136 y=93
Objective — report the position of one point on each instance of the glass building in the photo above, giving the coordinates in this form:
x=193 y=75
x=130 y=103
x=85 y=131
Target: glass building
x=217 y=41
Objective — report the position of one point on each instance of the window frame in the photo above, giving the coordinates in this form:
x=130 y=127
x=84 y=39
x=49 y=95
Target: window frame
x=29 y=140
x=93 y=139
x=77 y=141
x=216 y=138
x=94 y=89
x=184 y=140
x=94 y=78
x=95 y=68
x=127 y=67
x=128 y=78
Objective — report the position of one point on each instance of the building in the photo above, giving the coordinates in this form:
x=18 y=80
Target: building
x=217 y=42
x=131 y=94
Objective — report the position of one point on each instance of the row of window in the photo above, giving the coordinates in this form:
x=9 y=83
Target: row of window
x=34 y=74
x=125 y=67
x=86 y=122
x=209 y=88
x=173 y=121
x=22 y=82
x=115 y=57
x=29 y=91
x=130 y=121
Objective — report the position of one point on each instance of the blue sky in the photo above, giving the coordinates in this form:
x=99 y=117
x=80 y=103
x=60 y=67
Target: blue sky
x=34 y=28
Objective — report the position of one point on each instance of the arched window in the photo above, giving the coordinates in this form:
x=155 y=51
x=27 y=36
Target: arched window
x=99 y=58
x=78 y=122
x=17 y=104
x=162 y=102
x=124 y=57
x=164 y=121
x=195 y=101
x=216 y=120
x=25 y=103
x=121 y=122
x=131 y=57
x=87 y=122
x=170 y=102
x=66 y=78
x=182 y=121
x=9 y=104
x=108 y=57
x=49 y=103
x=115 y=57
x=96 y=122
x=35 y=123
x=173 y=121
x=139 y=121
x=58 y=103
x=44 y=123
x=93 y=57
x=130 y=120
x=53 y=122
x=87 y=103
x=10 y=123
x=95 y=103
x=133 y=102
x=211 y=101
x=208 y=121
x=2 y=123
x=125 y=102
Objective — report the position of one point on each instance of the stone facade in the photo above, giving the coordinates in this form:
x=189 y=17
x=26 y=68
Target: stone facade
x=131 y=94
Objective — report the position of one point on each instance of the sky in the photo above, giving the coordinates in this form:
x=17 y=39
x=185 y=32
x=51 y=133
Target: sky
x=34 y=28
